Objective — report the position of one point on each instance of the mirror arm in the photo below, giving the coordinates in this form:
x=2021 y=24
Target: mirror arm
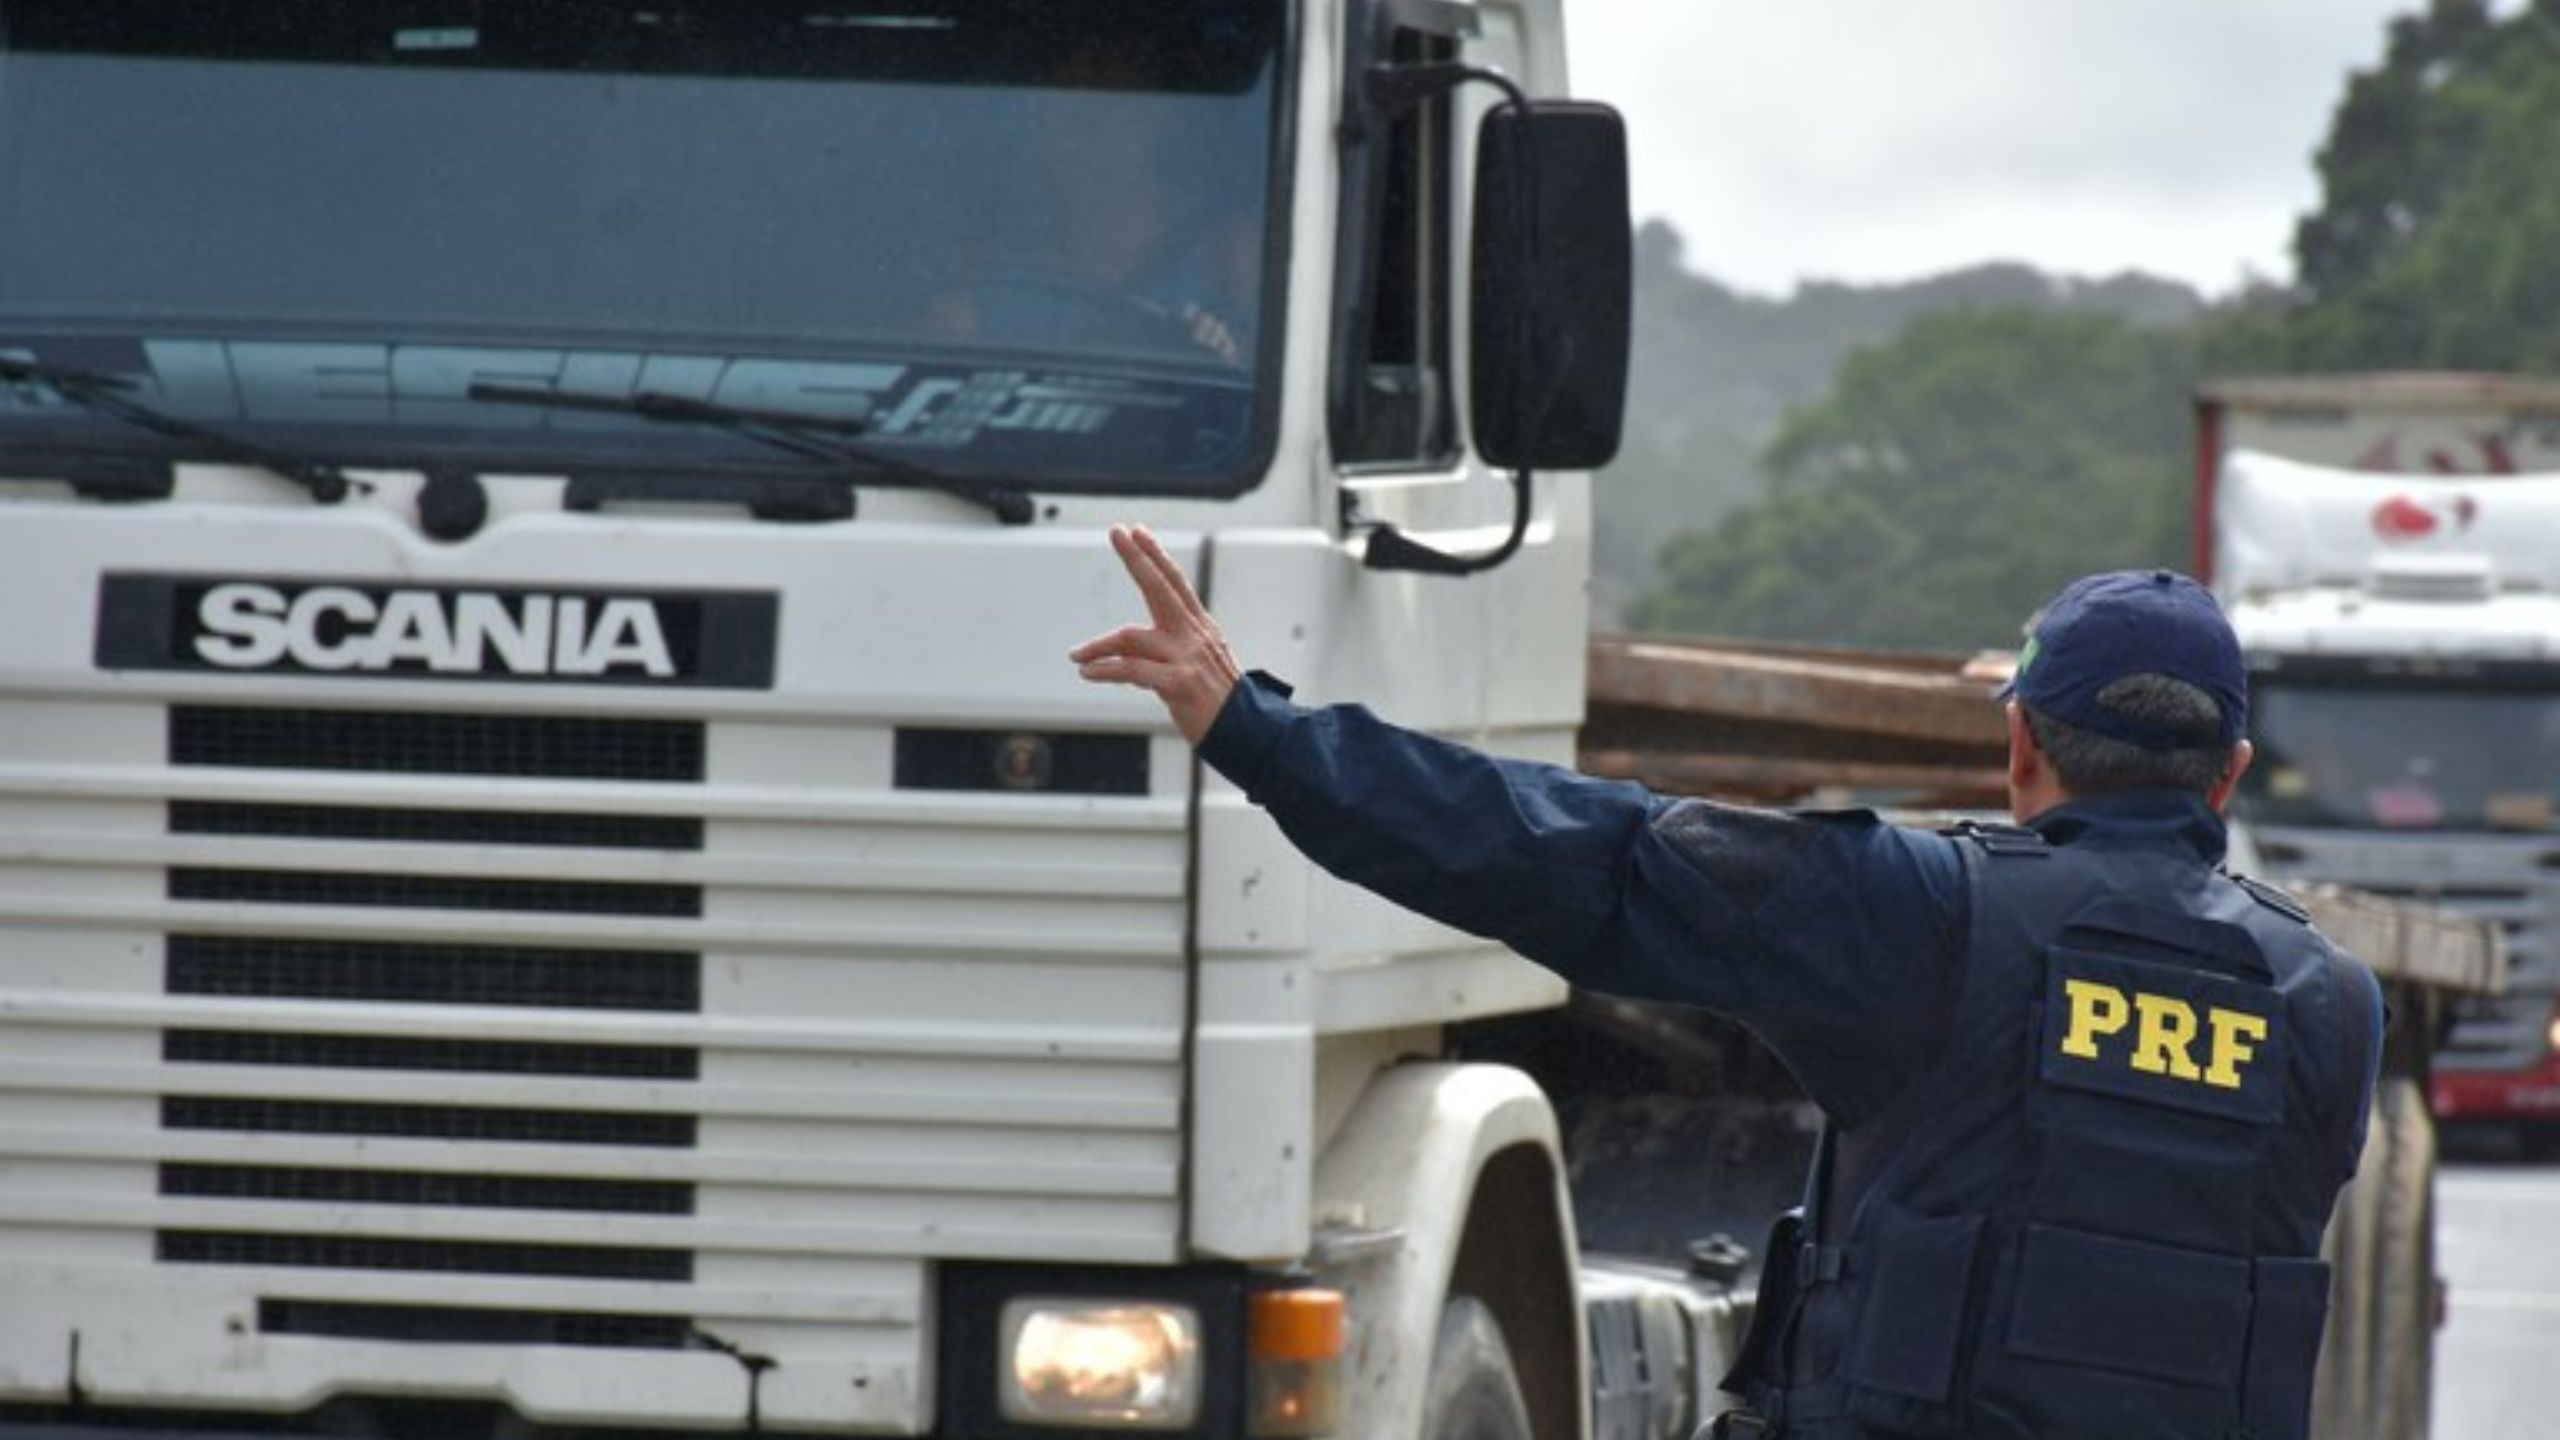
x=1391 y=549
x=1391 y=90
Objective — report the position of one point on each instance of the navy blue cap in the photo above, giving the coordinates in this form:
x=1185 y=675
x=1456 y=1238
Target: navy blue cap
x=2103 y=628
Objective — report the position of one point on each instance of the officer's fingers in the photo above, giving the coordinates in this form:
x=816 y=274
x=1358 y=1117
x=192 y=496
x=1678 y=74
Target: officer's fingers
x=1139 y=640
x=1164 y=604
x=1128 y=670
x=1177 y=583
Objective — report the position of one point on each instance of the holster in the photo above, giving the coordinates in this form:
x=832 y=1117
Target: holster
x=1759 y=1370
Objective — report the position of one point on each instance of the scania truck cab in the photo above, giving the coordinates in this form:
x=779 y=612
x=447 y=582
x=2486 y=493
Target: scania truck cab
x=556 y=876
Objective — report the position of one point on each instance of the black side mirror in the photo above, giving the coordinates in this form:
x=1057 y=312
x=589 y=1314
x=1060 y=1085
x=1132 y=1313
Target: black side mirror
x=1549 y=321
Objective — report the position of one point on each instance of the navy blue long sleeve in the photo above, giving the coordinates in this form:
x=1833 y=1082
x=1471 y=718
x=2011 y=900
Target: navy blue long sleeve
x=1828 y=934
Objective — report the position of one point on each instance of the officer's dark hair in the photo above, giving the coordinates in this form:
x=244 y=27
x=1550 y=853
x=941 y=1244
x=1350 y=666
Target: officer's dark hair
x=2088 y=763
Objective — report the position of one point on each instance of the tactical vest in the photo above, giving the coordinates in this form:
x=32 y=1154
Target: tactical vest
x=2098 y=1213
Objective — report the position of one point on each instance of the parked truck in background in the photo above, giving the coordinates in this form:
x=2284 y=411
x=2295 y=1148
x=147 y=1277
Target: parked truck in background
x=2388 y=548
x=557 y=878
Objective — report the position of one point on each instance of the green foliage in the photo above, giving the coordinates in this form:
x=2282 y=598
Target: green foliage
x=2437 y=241
x=2398 y=145
x=1716 y=372
x=1955 y=478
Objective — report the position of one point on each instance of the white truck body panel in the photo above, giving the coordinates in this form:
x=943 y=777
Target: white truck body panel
x=2414 y=424
x=2313 y=559
x=929 y=1026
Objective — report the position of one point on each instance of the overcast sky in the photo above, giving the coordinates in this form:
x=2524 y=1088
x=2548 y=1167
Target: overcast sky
x=1886 y=139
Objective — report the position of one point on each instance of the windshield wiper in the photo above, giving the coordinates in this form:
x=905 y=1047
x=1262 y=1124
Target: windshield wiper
x=105 y=395
x=805 y=435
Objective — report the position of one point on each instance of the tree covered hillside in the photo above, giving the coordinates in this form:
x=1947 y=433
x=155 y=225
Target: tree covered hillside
x=1977 y=448
x=1716 y=371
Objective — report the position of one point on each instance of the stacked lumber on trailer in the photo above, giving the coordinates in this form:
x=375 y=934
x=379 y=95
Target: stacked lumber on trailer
x=1805 y=725
x=2406 y=941
x=1795 y=725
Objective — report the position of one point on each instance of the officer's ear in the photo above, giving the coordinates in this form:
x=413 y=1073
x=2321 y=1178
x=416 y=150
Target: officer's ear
x=2220 y=795
x=2032 y=787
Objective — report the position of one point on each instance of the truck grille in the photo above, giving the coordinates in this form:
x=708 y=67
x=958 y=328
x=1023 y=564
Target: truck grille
x=371 y=1052
x=364 y=1252
x=434 y=974
x=2509 y=1031
x=432 y=892
x=410 y=1187
x=427 y=1122
x=400 y=742
x=431 y=975
x=2504 y=879
x=695 y=1037
x=458 y=1325
x=448 y=827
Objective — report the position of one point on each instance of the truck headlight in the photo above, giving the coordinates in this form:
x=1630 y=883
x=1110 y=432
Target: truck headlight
x=1090 y=1363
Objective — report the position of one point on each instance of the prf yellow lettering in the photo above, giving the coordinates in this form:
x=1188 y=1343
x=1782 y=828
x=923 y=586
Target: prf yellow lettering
x=2095 y=1010
x=2165 y=1031
x=2230 y=1027
x=2168 y=1028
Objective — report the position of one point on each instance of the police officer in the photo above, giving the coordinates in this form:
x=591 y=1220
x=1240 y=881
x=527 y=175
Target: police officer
x=2090 y=1099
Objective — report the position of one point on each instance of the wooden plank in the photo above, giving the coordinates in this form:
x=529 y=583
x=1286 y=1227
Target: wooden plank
x=2406 y=941
x=1817 y=692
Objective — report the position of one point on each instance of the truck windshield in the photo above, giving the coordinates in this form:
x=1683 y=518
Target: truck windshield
x=1024 y=239
x=2406 y=753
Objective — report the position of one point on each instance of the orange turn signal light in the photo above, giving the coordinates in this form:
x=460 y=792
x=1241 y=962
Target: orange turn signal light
x=1293 y=1386
x=1294 y=1325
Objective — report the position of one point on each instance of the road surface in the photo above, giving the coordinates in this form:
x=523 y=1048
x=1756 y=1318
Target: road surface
x=2498 y=1245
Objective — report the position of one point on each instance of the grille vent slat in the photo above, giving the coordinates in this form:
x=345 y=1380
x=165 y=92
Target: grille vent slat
x=433 y=974
x=444 y=1257
x=416 y=1187
x=455 y=1325
x=555 y=747
x=353 y=971
x=427 y=1122
x=381 y=1052
x=436 y=827
x=434 y=892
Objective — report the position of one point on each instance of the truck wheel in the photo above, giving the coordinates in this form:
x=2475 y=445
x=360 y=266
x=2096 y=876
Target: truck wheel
x=2403 y=1344
x=2377 y=1361
x=1474 y=1394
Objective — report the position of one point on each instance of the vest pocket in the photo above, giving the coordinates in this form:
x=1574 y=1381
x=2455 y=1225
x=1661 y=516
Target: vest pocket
x=1911 y=1280
x=2284 y=1344
x=2120 y=1174
x=2148 y=1310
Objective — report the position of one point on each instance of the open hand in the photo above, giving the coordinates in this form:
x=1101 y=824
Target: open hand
x=1181 y=656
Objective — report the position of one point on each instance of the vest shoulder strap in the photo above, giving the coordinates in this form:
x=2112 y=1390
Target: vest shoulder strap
x=2273 y=898
x=1994 y=838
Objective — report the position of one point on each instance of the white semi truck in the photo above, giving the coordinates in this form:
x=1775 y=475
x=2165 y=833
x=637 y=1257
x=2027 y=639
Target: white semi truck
x=2388 y=547
x=554 y=875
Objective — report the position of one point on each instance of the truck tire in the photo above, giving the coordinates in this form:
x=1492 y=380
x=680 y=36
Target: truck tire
x=2402 y=1359
x=1474 y=1393
x=2377 y=1362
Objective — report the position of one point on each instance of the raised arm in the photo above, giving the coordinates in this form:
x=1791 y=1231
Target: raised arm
x=1808 y=928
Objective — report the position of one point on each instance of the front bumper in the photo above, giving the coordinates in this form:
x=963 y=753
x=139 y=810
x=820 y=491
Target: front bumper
x=2499 y=1094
